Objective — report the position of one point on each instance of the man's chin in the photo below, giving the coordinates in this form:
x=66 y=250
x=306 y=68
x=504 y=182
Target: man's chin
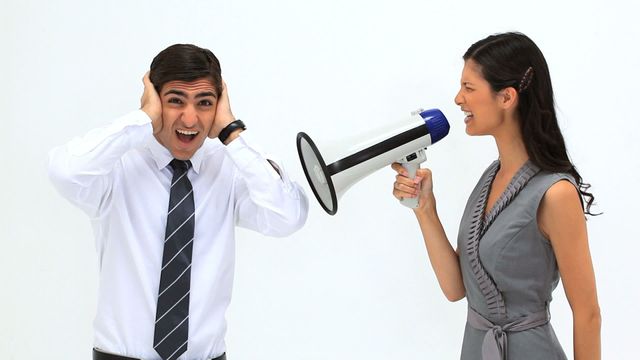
x=185 y=151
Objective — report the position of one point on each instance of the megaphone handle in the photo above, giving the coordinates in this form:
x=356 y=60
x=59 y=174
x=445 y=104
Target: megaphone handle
x=411 y=168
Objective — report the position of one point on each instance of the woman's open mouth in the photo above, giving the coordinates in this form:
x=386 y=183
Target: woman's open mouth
x=468 y=116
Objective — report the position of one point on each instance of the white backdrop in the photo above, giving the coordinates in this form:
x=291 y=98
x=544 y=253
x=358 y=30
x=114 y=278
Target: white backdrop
x=353 y=286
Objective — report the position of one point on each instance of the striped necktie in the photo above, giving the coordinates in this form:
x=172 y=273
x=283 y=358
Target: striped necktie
x=172 y=312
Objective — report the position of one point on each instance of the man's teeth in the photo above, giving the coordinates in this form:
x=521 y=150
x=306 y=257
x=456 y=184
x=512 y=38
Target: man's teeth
x=468 y=113
x=187 y=132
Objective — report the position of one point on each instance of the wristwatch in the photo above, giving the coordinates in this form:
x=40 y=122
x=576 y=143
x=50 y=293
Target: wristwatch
x=234 y=125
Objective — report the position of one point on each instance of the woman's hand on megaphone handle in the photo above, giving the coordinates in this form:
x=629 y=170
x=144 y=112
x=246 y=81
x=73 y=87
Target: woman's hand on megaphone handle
x=421 y=185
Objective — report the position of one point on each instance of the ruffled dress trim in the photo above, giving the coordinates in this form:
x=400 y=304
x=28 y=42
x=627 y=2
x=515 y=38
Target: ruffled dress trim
x=480 y=224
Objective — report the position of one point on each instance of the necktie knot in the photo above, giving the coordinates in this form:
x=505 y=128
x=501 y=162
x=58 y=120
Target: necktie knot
x=180 y=166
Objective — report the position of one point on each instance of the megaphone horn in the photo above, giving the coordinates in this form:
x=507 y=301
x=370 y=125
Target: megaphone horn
x=354 y=158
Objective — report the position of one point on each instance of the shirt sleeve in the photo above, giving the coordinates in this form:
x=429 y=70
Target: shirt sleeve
x=82 y=170
x=267 y=201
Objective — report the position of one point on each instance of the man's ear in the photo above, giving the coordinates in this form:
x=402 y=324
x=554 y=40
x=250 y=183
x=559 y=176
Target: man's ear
x=508 y=98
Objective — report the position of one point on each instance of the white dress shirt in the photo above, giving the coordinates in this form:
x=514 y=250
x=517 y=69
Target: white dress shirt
x=118 y=175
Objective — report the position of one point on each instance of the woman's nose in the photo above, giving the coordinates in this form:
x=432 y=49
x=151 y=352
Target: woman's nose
x=458 y=99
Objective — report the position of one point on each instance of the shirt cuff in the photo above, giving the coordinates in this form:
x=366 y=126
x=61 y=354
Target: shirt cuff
x=243 y=154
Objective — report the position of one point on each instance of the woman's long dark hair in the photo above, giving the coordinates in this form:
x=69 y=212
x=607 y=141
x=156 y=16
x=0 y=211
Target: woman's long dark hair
x=514 y=60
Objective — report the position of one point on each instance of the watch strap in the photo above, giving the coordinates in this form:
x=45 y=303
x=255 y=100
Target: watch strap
x=233 y=126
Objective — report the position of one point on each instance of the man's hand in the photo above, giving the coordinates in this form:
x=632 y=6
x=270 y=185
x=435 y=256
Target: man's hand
x=150 y=103
x=223 y=114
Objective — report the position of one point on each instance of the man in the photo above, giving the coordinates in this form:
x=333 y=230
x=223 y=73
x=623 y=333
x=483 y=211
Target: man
x=163 y=201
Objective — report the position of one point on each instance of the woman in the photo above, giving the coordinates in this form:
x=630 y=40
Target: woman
x=524 y=223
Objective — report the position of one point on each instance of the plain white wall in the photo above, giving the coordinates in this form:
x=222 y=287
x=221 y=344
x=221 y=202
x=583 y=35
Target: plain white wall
x=353 y=286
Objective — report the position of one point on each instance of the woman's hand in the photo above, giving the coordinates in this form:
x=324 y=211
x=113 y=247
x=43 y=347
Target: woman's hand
x=421 y=186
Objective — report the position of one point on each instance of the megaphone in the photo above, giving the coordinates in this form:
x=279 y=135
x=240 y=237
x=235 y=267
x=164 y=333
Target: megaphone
x=351 y=159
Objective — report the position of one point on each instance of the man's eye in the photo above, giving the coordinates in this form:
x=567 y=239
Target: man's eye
x=206 y=103
x=174 y=101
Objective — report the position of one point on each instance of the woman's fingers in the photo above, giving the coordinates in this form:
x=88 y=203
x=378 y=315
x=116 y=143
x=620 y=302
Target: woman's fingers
x=404 y=187
x=399 y=169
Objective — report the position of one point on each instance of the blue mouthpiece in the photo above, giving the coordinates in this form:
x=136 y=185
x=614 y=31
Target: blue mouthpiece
x=437 y=124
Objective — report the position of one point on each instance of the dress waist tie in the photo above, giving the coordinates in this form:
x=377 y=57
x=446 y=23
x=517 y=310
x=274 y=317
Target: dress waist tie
x=494 y=345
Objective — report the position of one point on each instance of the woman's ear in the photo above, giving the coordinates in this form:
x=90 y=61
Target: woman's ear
x=509 y=97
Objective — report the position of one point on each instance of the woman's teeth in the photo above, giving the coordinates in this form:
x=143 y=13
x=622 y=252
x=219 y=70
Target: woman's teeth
x=468 y=116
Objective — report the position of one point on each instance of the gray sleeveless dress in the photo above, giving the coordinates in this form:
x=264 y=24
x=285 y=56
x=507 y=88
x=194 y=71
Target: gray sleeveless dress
x=509 y=270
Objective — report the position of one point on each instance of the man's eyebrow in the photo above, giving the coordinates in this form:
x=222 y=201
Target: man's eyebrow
x=205 y=94
x=183 y=94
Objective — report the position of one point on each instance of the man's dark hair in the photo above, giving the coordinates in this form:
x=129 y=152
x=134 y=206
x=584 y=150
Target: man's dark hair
x=185 y=62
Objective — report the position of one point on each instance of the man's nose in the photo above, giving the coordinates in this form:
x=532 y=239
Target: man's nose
x=190 y=116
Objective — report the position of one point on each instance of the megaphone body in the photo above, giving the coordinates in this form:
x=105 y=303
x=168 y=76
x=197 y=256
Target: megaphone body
x=334 y=168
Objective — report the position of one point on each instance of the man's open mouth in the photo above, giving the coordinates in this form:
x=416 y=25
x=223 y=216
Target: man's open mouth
x=186 y=135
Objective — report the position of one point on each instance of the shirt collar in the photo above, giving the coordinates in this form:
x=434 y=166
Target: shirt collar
x=162 y=156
